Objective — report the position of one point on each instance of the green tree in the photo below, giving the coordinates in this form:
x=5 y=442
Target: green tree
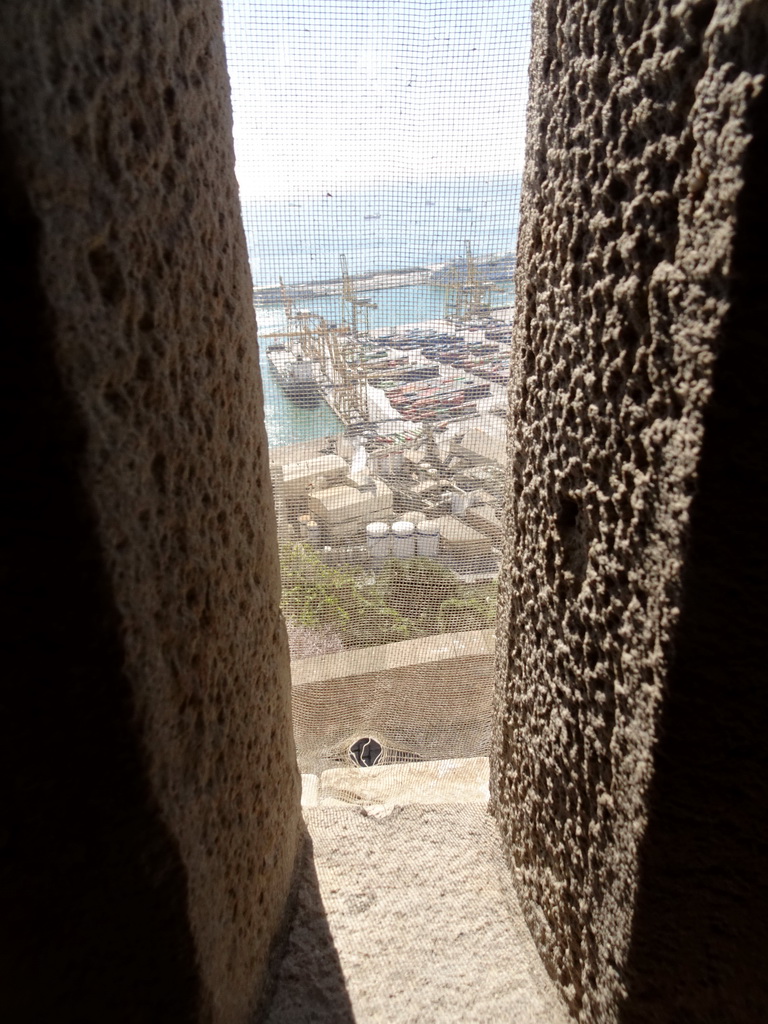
x=417 y=587
x=315 y=594
x=409 y=598
x=460 y=613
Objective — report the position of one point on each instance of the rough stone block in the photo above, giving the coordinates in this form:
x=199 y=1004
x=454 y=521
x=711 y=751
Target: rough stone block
x=151 y=801
x=629 y=760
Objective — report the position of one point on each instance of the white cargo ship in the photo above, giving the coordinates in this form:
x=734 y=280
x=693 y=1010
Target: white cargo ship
x=296 y=376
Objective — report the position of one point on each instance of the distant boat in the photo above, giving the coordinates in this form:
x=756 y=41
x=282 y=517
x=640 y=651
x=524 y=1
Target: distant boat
x=429 y=203
x=464 y=209
x=372 y=216
x=295 y=375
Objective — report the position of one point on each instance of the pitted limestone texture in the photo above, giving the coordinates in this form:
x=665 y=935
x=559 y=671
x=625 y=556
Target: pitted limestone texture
x=640 y=124
x=116 y=128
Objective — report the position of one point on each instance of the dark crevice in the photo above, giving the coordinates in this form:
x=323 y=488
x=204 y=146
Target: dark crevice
x=92 y=887
x=699 y=948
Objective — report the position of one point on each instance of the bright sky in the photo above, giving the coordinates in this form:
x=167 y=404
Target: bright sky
x=345 y=93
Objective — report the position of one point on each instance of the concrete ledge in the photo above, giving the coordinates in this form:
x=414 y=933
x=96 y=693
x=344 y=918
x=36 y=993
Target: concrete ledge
x=380 y=789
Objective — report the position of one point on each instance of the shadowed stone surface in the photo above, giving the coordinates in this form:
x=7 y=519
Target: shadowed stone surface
x=151 y=797
x=628 y=770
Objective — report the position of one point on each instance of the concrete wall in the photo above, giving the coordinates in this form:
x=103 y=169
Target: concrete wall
x=430 y=698
x=150 y=794
x=629 y=769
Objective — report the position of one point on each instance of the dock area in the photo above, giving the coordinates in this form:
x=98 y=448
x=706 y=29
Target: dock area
x=418 y=470
x=423 y=474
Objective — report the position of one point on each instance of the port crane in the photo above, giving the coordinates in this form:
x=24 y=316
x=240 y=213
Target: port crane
x=467 y=293
x=350 y=339
x=291 y=318
x=335 y=350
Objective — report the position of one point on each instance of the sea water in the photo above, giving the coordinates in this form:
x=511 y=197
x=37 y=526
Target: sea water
x=390 y=226
x=286 y=422
x=386 y=227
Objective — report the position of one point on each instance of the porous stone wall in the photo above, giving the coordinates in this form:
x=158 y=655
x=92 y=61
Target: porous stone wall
x=628 y=774
x=151 y=796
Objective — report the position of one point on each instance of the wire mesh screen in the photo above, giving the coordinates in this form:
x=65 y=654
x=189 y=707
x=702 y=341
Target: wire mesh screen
x=379 y=153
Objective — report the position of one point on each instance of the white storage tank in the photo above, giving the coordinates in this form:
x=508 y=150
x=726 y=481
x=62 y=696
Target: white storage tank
x=403 y=539
x=427 y=539
x=378 y=541
x=411 y=517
